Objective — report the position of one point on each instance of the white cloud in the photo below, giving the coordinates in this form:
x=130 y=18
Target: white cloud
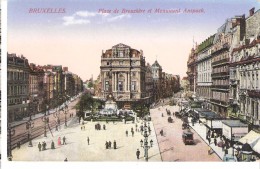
x=85 y=14
x=119 y=17
x=71 y=20
x=85 y=17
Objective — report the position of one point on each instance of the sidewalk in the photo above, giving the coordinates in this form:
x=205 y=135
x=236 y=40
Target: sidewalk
x=39 y=115
x=201 y=130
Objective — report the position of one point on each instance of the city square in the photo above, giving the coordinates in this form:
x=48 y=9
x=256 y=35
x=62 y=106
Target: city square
x=105 y=90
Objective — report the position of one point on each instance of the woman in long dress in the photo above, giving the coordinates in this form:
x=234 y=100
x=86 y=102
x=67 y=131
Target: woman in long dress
x=59 y=141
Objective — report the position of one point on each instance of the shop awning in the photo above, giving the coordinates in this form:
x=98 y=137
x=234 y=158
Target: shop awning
x=256 y=147
x=250 y=138
x=253 y=139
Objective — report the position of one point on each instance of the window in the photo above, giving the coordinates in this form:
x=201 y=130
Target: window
x=106 y=86
x=121 y=63
x=133 y=86
x=120 y=86
x=121 y=54
x=107 y=63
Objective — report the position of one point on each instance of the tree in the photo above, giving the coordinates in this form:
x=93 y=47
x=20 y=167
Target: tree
x=90 y=84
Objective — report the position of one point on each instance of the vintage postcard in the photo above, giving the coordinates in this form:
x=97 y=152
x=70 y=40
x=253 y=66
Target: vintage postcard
x=133 y=81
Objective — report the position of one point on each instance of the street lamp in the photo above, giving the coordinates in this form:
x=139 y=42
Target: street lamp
x=57 y=116
x=144 y=143
x=65 y=112
x=11 y=132
x=232 y=142
x=29 y=127
x=45 y=120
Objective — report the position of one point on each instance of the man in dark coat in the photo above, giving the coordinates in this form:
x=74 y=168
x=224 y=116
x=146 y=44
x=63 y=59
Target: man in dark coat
x=52 y=145
x=64 y=140
x=215 y=141
x=126 y=133
x=109 y=144
x=39 y=146
x=114 y=144
x=88 y=140
x=137 y=154
x=106 y=145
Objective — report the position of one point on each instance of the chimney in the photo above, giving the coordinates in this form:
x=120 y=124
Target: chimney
x=65 y=69
x=251 y=11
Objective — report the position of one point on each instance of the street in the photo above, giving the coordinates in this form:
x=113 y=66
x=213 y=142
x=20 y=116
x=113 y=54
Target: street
x=171 y=145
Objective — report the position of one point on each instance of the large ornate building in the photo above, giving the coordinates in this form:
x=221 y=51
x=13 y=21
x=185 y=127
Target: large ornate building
x=204 y=69
x=122 y=74
x=245 y=69
x=18 y=71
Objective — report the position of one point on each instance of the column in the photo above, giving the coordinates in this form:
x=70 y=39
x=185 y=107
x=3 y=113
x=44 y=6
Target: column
x=113 y=82
x=125 y=82
x=116 y=81
x=139 y=84
x=129 y=81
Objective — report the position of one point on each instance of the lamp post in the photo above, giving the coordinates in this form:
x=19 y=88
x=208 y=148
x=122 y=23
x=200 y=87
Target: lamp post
x=57 y=116
x=45 y=119
x=144 y=143
x=11 y=132
x=65 y=109
x=232 y=142
x=29 y=127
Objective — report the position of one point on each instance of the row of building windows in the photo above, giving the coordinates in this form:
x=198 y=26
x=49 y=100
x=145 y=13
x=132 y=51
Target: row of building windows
x=248 y=80
x=23 y=76
x=120 y=86
x=17 y=90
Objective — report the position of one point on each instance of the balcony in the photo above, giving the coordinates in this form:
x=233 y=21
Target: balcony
x=220 y=62
x=220 y=74
x=220 y=86
x=219 y=102
x=253 y=93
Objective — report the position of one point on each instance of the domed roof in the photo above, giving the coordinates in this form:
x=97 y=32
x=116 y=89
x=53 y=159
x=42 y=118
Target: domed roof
x=156 y=64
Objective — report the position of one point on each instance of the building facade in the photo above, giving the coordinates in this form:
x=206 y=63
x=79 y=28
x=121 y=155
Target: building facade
x=220 y=69
x=122 y=74
x=244 y=70
x=204 y=81
x=18 y=72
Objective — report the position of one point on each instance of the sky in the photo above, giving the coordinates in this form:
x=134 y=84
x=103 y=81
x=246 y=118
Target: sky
x=76 y=37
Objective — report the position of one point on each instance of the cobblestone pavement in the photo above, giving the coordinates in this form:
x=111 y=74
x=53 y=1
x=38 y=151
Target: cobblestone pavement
x=77 y=148
x=171 y=145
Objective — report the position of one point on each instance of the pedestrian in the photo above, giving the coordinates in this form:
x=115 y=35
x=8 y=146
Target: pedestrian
x=161 y=132
x=132 y=129
x=59 y=141
x=109 y=144
x=114 y=144
x=104 y=127
x=81 y=128
x=209 y=150
x=64 y=140
x=209 y=139
x=106 y=144
x=66 y=160
x=18 y=145
x=215 y=141
x=126 y=133
x=52 y=145
x=133 y=133
x=223 y=146
x=88 y=140
x=137 y=154
x=39 y=146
